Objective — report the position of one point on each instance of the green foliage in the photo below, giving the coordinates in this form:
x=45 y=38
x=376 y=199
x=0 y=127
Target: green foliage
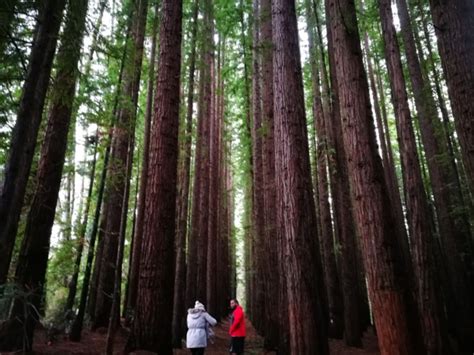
x=14 y=64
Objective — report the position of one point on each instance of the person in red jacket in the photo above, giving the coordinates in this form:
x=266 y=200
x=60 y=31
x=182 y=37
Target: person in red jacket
x=237 y=328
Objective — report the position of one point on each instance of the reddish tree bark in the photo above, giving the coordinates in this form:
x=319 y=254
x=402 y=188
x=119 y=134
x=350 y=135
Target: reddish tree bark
x=268 y=171
x=450 y=208
x=356 y=307
x=418 y=214
x=257 y=178
x=152 y=325
x=137 y=240
x=203 y=212
x=295 y=204
x=333 y=289
x=26 y=128
x=192 y=260
x=213 y=173
x=386 y=148
x=389 y=291
x=179 y=305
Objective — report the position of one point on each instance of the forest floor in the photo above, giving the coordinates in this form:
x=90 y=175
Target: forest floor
x=94 y=343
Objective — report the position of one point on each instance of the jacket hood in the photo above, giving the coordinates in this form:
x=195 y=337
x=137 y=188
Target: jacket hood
x=195 y=312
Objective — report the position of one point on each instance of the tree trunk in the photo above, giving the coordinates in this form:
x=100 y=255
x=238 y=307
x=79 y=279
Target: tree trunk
x=453 y=22
x=307 y=328
x=137 y=240
x=356 y=307
x=32 y=264
x=114 y=319
x=213 y=173
x=25 y=132
x=390 y=295
x=451 y=211
x=268 y=171
x=88 y=295
x=193 y=240
x=179 y=304
x=430 y=303
x=333 y=289
x=123 y=134
x=77 y=325
x=206 y=112
x=85 y=216
x=257 y=177
x=152 y=325
x=82 y=232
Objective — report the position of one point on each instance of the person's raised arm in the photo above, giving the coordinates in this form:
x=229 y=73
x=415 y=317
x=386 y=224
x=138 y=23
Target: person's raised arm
x=210 y=319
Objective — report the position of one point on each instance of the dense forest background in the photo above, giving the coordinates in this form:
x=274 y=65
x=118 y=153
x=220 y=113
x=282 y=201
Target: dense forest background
x=314 y=159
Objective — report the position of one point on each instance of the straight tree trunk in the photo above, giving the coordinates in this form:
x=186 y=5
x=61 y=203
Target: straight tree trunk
x=123 y=134
x=83 y=83
x=453 y=224
x=88 y=295
x=295 y=204
x=268 y=172
x=203 y=212
x=137 y=240
x=26 y=128
x=453 y=22
x=213 y=174
x=451 y=211
x=432 y=62
x=132 y=240
x=224 y=209
x=249 y=160
x=430 y=303
x=389 y=291
x=32 y=264
x=77 y=325
x=153 y=322
x=384 y=138
x=193 y=240
x=387 y=153
x=356 y=307
x=179 y=304
x=114 y=319
x=333 y=289
x=257 y=176
x=82 y=232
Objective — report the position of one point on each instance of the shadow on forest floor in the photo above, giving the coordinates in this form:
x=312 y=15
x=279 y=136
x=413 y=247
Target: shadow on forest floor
x=94 y=343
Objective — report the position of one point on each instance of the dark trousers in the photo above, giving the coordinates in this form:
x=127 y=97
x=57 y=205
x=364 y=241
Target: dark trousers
x=237 y=345
x=197 y=351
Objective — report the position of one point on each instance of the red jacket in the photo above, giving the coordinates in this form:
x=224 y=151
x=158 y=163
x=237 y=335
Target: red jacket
x=237 y=328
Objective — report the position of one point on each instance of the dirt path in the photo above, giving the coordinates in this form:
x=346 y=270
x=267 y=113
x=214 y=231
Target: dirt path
x=94 y=343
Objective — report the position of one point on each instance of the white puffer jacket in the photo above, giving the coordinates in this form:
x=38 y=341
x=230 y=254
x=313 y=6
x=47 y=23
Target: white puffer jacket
x=198 y=322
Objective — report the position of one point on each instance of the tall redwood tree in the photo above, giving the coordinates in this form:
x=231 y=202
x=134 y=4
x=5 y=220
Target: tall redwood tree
x=391 y=298
x=25 y=132
x=295 y=204
x=151 y=328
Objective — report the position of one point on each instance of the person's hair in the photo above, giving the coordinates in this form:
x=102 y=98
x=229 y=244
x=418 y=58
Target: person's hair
x=235 y=300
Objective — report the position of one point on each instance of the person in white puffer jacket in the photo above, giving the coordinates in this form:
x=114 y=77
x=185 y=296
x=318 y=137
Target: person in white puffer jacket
x=198 y=328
